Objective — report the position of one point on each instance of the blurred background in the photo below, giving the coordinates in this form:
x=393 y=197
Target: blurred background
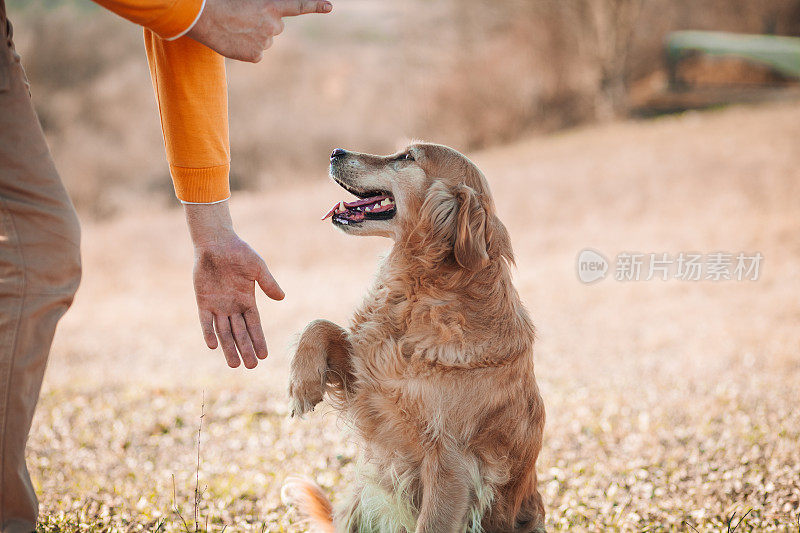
x=469 y=73
x=672 y=405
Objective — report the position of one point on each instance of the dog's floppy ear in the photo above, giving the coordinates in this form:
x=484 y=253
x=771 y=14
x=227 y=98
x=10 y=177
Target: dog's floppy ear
x=459 y=223
x=472 y=233
x=499 y=240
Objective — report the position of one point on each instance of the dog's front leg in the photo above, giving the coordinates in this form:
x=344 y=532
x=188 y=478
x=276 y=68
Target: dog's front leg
x=446 y=493
x=321 y=362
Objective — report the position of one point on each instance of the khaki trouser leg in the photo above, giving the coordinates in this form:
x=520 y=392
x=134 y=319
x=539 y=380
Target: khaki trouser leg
x=39 y=274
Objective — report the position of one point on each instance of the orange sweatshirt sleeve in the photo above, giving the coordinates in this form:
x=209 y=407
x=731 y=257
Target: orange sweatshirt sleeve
x=192 y=93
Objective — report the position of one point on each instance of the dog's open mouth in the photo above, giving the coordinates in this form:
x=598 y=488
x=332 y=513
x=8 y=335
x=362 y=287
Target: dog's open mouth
x=372 y=206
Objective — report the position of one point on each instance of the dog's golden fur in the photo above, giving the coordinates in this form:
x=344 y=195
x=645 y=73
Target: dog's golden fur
x=435 y=373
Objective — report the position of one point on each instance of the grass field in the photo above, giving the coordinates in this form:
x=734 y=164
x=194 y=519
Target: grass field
x=672 y=405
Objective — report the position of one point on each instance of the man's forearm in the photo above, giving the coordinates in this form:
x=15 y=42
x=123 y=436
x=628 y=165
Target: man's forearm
x=191 y=90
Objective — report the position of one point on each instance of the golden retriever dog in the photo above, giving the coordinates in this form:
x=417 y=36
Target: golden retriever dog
x=435 y=373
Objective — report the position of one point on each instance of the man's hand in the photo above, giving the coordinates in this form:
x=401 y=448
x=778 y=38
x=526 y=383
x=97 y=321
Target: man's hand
x=243 y=29
x=226 y=270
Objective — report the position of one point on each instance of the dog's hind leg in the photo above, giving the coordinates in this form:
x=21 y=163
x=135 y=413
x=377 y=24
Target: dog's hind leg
x=321 y=363
x=531 y=516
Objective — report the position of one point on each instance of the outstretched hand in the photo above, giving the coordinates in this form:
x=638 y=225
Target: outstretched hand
x=243 y=29
x=226 y=271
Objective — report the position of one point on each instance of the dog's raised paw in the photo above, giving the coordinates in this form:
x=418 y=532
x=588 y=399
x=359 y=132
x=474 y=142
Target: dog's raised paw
x=303 y=397
x=298 y=408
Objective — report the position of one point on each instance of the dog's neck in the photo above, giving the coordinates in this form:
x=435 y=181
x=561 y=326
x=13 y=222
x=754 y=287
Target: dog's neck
x=435 y=267
x=479 y=311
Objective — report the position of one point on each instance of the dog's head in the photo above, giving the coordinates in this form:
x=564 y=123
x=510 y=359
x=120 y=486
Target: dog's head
x=428 y=196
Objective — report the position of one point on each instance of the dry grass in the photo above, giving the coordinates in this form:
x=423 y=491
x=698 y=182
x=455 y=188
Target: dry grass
x=671 y=405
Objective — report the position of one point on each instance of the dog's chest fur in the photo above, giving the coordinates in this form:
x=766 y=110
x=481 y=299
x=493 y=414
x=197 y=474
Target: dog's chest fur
x=414 y=386
x=391 y=394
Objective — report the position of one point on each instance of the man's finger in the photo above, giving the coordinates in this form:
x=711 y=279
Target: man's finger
x=207 y=324
x=277 y=26
x=242 y=339
x=223 y=326
x=292 y=8
x=268 y=284
x=253 y=322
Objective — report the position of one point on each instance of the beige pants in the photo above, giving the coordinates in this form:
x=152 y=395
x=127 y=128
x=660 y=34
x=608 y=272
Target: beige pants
x=39 y=274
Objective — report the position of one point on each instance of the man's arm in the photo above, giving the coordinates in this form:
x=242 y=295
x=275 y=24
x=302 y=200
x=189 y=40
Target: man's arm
x=190 y=85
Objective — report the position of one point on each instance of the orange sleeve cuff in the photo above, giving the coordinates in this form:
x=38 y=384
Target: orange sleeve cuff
x=176 y=20
x=201 y=185
x=167 y=18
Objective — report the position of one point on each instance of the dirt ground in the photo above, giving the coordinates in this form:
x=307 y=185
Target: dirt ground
x=672 y=405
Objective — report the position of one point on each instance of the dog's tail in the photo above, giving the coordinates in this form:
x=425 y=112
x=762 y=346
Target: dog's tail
x=311 y=503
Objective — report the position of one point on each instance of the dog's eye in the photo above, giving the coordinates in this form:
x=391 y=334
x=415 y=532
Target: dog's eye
x=405 y=157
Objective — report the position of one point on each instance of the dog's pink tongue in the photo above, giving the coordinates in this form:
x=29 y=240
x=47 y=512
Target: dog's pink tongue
x=333 y=210
x=344 y=206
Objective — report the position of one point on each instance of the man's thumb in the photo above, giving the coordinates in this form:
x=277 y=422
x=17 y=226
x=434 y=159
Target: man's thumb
x=268 y=284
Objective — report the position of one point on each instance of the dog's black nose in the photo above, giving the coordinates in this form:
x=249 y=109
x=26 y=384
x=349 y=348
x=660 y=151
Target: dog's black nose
x=338 y=153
